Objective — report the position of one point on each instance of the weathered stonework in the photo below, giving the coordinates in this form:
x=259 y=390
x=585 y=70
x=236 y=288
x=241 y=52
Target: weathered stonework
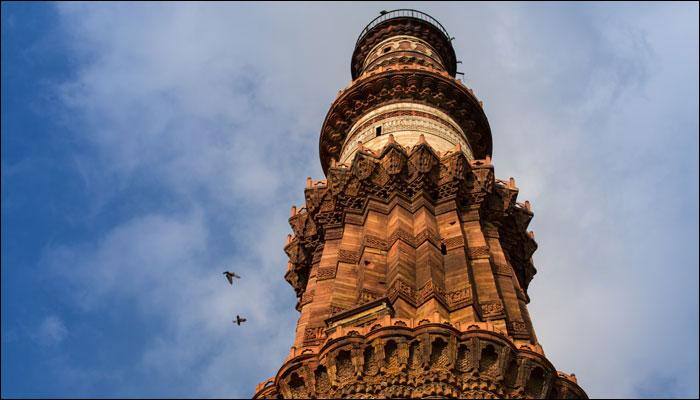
x=411 y=261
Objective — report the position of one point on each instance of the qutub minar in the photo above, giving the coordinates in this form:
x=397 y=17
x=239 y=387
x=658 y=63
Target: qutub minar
x=411 y=261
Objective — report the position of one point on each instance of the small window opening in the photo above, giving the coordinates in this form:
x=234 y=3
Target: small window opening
x=443 y=249
x=387 y=49
x=378 y=131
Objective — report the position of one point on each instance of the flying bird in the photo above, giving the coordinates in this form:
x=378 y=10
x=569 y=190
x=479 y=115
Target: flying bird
x=239 y=320
x=230 y=276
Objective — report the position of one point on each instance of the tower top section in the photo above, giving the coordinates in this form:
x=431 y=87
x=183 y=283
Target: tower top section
x=404 y=22
x=403 y=84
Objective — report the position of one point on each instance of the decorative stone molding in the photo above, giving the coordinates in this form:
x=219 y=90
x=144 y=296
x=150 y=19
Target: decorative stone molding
x=454 y=242
x=396 y=47
x=405 y=122
x=404 y=27
x=480 y=252
x=402 y=289
x=420 y=87
x=426 y=360
x=375 y=242
x=326 y=273
x=348 y=256
x=491 y=309
x=459 y=298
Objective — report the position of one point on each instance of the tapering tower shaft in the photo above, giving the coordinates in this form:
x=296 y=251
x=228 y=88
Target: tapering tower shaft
x=411 y=262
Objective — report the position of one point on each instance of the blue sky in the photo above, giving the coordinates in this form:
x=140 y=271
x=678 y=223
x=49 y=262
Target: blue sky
x=148 y=147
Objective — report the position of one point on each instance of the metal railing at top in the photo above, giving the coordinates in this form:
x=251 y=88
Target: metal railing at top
x=403 y=12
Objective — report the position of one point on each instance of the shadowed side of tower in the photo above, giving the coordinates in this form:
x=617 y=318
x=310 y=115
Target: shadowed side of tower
x=411 y=262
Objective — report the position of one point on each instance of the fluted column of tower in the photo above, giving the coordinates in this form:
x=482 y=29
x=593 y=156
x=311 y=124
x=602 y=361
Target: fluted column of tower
x=411 y=262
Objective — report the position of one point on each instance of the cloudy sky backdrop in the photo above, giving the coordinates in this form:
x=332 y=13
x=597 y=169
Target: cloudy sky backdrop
x=148 y=147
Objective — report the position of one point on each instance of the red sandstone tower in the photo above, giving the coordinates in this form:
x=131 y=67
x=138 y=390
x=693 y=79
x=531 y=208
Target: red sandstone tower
x=411 y=262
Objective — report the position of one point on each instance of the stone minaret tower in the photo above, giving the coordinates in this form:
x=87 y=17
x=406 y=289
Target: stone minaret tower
x=411 y=261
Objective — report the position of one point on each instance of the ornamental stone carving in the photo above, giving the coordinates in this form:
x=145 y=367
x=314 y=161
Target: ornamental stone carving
x=411 y=261
x=411 y=361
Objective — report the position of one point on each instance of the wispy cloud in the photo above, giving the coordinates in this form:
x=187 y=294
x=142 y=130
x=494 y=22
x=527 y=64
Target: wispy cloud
x=52 y=331
x=197 y=125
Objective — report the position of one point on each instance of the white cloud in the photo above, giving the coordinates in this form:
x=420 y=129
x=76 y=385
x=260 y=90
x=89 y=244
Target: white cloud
x=217 y=110
x=161 y=264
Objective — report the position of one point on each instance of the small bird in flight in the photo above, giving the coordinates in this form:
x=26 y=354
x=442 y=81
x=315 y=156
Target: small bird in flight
x=230 y=276
x=239 y=320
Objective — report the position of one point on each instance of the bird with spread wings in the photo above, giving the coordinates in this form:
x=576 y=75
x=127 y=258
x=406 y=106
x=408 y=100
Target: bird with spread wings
x=239 y=320
x=230 y=275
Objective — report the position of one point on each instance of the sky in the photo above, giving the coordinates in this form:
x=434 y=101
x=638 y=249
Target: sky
x=148 y=147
